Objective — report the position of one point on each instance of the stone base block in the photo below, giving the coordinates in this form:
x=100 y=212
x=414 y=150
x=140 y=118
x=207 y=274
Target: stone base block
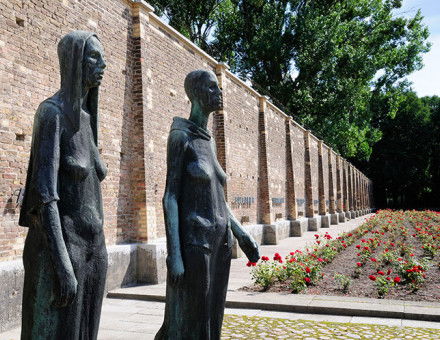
x=325 y=221
x=342 y=217
x=256 y=231
x=347 y=215
x=11 y=283
x=151 y=262
x=334 y=218
x=274 y=233
x=352 y=214
x=314 y=223
x=298 y=227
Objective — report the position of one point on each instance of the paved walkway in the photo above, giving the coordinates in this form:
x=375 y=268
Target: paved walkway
x=140 y=320
x=137 y=319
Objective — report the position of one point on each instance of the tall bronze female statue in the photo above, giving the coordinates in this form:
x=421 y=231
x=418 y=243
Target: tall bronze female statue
x=65 y=257
x=198 y=221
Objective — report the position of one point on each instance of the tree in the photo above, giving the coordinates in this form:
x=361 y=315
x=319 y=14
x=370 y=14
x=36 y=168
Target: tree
x=401 y=162
x=338 y=66
x=346 y=54
x=193 y=18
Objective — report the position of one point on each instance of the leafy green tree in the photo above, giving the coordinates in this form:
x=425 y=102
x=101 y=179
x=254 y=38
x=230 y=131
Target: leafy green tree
x=401 y=162
x=193 y=18
x=338 y=66
x=346 y=55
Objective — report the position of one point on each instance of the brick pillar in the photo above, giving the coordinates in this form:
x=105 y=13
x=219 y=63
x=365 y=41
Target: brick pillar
x=339 y=197
x=321 y=191
x=292 y=212
x=350 y=186
x=308 y=193
x=219 y=122
x=140 y=229
x=331 y=190
x=264 y=213
x=345 y=186
x=358 y=189
x=364 y=198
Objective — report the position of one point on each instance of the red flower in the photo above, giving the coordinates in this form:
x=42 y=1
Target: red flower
x=397 y=279
x=320 y=260
x=372 y=278
x=388 y=278
x=251 y=264
x=359 y=264
x=307 y=279
x=380 y=272
x=373 y=259
x=308 y=270
x=358 y=246
x=389 y=271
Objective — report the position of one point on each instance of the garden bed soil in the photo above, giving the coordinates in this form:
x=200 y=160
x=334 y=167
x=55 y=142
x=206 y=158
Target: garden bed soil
x=345 y=263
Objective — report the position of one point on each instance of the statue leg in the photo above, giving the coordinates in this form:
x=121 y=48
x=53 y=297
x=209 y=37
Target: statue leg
x=221 y=264
x=39 y=319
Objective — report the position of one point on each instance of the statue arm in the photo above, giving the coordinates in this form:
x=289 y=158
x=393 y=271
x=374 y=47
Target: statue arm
x=245 y=241
x=175 y=154
x=45 y=180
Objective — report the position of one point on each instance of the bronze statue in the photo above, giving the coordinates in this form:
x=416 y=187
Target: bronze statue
x=65 y=257
x=198 y=221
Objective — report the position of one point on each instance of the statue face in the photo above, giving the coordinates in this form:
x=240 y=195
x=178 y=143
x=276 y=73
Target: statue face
x=93 y=63
x=210 y=95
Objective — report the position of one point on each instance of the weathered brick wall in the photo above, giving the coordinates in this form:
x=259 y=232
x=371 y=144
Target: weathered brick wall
x=276 y=159
x=297 y=137
x=314 y=166
x=241 y=134
x=142 y=91
x=325 y=170
x=29 y=33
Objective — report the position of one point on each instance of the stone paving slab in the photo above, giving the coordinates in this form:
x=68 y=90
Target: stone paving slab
x=319 y=304
x=136 y=320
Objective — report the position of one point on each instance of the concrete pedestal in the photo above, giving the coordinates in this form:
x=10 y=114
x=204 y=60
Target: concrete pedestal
x=347 y=215
x=334 y=218
x=352 y=214
x=274 y=233
x=325 y=221
x=342 y=217
x=298 y=227
x=314 y=223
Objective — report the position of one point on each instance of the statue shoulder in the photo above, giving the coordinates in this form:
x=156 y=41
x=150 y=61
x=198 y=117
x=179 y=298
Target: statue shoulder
x=49 y=110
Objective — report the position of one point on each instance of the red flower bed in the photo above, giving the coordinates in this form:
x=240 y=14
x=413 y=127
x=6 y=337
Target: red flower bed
x=395 y=254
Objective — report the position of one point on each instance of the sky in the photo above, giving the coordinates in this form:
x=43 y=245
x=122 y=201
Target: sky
x=426 y=82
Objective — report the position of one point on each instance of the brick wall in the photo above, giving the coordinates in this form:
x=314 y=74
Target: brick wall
x=326 y=178
x=241 y=134
x=142 y=91
x=297 y=137
x=29 y=33
x=276 y=159
x=314 y=166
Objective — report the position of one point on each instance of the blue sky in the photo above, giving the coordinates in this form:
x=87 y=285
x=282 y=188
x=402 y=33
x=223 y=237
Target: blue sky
x=426 y=82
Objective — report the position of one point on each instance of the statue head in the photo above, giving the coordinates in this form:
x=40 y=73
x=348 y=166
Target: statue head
x=93 y=63
x=202 y=89
x=82 y=66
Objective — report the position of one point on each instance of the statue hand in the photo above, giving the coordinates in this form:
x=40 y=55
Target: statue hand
x=66 y=289
x=175 y=268
x=249 y=247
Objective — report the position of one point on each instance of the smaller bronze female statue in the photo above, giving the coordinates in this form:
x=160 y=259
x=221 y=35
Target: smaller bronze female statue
x=198 y=221
x=65 y=257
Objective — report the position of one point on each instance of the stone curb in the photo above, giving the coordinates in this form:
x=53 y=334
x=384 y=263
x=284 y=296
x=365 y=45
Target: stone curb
x=307 y=304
